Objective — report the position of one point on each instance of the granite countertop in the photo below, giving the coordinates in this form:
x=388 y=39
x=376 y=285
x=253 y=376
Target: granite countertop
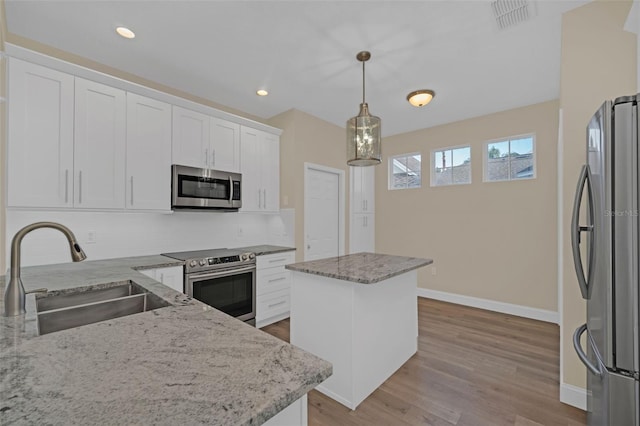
x=264 y=249
x=363 y=268
x=183 y=364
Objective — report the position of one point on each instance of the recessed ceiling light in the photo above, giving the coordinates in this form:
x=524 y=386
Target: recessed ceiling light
x=262 y=92
x=420 y=98
x=125 y=32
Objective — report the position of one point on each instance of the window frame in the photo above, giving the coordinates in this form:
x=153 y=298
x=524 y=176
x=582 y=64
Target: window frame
x=433 y=165
x=485 y=157
x=390 y=170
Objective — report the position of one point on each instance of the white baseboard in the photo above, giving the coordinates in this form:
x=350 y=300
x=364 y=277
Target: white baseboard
x=573 y=395
x=335 y=397
x=491 y=305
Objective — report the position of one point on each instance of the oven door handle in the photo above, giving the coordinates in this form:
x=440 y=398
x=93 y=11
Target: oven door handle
x=221 y=273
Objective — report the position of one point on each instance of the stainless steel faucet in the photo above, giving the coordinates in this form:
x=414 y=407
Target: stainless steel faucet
x=14 y=294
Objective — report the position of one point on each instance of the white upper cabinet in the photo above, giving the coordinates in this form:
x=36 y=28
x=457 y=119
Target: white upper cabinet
x=148 y=159
x=362 y=189
x=224 y=151
x=205 y=142
x=99 y=146
x=271 y=172
x=190 y=143
x=40 y=148
x=260 y=168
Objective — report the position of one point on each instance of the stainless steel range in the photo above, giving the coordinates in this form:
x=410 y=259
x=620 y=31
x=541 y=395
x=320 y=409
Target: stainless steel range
x=224 y=279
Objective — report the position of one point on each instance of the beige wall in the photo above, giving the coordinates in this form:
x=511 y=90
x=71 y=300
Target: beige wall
x=306 y=138
x=598 y=63
x=493 y=240
x=3 y=136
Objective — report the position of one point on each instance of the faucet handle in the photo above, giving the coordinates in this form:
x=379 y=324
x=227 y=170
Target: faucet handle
x=37 y=290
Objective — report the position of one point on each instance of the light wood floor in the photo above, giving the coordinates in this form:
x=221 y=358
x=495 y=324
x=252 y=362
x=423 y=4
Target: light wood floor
x=473 y=368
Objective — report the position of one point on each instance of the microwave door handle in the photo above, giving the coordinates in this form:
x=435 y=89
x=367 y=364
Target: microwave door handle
x=576 y=229
x=230 y=190
x=578 y=348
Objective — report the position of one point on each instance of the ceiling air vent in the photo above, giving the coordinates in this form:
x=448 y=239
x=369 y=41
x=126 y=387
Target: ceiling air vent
x=511 y=12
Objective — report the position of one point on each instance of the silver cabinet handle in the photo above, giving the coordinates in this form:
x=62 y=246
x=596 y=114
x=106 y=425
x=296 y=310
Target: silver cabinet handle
x=132 y=190
x=66 y=186
x=162 y=278
x=362 y=205
x=264 y=198
x=213 y=158
x=80 y=187
x=277 y=304
x=259 y=198
x=583 y=357
x=576 y=229
x=282 y=259
x=206 y=157
x=277 y=279
x=230 y=190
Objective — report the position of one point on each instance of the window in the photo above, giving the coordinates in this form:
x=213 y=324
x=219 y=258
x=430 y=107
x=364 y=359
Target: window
x=404 y=171
x=451 y=166
x=510 y=159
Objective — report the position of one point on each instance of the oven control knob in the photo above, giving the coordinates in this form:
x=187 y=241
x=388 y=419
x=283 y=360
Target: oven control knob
x=244 y=257
x=203 y=262
x=252 y=256
x=193 y=263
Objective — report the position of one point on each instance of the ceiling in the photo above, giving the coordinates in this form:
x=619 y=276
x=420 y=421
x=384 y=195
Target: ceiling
x=303 y=52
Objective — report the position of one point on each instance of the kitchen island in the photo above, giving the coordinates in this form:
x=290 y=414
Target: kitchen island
x=360 y=313
x=182 y=364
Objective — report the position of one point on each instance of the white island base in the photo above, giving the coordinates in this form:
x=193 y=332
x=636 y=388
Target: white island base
x=367 y=331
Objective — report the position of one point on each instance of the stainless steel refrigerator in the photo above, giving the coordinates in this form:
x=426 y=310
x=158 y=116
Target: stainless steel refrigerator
x=605 y=229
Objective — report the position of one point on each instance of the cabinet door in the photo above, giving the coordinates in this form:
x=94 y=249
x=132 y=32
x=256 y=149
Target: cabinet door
x=362 y=232
x=362 y=189
x=99 y=145
x=224 y=153
x=250 y=169
x=190 y=144
x=148 y=154
x=40 y=136
x=270 y=168
x=171 y=277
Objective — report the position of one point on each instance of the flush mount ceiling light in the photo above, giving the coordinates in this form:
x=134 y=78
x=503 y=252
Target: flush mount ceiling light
x=363 y=131
x=420 y=98
x=262 y=92
x=125 y=32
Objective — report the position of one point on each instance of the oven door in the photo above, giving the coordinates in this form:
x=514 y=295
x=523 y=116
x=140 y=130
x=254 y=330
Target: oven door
x=232 y=291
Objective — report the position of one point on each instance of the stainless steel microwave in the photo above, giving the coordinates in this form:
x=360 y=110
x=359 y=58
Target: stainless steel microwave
x=196 y=188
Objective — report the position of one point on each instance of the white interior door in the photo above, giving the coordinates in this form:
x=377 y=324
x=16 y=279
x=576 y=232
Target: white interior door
x=323 y=212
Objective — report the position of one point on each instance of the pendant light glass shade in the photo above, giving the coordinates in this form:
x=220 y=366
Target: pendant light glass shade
x=363 y=131
x=363 y=139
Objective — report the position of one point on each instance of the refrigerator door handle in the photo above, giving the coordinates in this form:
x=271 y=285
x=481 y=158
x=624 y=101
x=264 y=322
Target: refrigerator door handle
x=583 y=357
x=576 y=229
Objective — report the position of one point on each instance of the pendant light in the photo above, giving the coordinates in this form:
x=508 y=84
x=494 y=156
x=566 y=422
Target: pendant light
x=363 y=131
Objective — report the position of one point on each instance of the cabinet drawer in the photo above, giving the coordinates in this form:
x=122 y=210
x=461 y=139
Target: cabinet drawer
x=272 y=304
x=272 y=280
x=275 y=260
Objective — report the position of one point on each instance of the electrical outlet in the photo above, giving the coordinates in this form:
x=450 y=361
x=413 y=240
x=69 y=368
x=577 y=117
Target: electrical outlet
x=91 y=237
x=434 y=271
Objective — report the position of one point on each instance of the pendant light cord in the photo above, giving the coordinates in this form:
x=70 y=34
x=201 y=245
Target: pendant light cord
x=363 y=81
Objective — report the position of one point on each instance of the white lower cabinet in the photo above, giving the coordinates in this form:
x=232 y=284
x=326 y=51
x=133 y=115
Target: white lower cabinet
x=294 y=415
x=273 y=284
x=362 y=233
x=171 y=276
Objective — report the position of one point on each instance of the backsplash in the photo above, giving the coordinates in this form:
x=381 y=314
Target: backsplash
x=105 y=235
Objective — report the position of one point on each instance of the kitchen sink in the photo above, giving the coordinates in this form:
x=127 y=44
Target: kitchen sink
x=61 y=311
